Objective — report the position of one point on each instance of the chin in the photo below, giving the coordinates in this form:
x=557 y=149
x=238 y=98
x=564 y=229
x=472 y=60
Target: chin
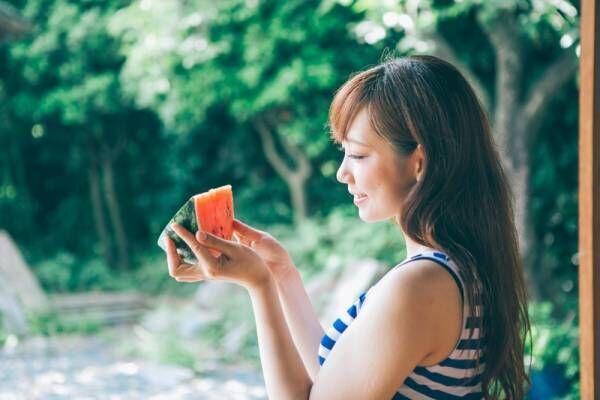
x=368 y=221
x=372 y=218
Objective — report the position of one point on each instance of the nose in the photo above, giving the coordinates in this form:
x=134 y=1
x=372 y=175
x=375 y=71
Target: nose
x=342 y=174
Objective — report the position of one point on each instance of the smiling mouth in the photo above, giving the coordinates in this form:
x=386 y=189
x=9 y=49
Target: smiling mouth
x=359 y=198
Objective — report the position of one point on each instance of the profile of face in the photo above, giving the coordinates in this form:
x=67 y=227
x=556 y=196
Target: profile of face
x=377 y=176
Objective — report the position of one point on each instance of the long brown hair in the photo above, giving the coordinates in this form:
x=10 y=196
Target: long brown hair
x=462 y=204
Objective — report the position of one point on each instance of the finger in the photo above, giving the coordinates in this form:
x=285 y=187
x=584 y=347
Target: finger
x=173 y=259
x=177 y=268
x=187 y=280
x=238 y=238
x=201 y=252
x=242 y=239
x=246 y=230
x=186 y=271
x=216 y=242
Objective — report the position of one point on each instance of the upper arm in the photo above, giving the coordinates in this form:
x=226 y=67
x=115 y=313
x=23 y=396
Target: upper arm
x=397 y=327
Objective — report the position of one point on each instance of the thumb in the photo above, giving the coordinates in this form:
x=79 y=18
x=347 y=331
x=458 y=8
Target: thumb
x=215 y=242
x=247 y=231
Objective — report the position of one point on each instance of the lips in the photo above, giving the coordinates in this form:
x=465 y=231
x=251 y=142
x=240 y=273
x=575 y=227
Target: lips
x=356 y=194
x=359 y=198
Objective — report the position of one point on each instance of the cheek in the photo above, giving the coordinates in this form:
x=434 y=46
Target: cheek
x=369 y=176
x=400 y=182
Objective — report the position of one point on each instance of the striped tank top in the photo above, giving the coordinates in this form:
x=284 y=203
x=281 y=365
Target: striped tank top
x=456 y=377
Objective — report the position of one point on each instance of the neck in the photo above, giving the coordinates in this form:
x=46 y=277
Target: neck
x=413 y=248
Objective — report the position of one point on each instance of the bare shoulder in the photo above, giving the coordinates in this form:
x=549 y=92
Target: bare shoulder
x=421 y=279
x=424 y=291
x=401 y=325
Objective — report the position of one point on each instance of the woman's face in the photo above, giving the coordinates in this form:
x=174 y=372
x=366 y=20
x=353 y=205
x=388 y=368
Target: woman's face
x=378 y=178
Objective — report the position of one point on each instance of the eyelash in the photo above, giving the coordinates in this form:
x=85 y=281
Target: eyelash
x=353 y=156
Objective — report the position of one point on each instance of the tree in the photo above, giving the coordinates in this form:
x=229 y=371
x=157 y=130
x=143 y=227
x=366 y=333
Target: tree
x=66 y=81
x=521 y=88
x=12 y=26
x=271 y=66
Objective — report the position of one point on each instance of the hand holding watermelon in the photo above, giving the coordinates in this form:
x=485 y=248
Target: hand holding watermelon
x=211 y=211
x=236 y=263
x=270 y=250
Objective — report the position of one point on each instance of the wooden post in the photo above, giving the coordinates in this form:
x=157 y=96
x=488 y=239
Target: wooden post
x=589 y=201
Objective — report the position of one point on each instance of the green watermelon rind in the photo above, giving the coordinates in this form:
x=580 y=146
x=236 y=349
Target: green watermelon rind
x=186 y=217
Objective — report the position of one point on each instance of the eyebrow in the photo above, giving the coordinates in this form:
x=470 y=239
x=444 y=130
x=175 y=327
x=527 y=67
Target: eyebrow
x=356 y=141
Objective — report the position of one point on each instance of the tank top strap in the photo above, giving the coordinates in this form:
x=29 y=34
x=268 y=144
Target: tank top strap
x=443 y=260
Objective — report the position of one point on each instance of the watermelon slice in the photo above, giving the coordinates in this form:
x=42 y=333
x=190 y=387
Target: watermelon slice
x=214 y=211
x=211 y=211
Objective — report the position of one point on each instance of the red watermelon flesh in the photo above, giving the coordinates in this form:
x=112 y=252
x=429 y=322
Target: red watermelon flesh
x=224 y=213
x=214 y=213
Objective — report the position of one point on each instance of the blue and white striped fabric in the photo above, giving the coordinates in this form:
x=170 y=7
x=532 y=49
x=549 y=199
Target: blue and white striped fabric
x=456 y=377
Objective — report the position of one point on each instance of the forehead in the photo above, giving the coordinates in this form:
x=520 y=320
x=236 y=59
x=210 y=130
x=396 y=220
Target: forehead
x=361 y=132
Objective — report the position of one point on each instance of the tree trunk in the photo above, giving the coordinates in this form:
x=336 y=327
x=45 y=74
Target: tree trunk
x=22 y=188
x=266 y=126
x=516 y=116
x=97 y=210
x=298 y=196
x=519 y=177
x=511 y=137
x=114 y=212
x=14 y=166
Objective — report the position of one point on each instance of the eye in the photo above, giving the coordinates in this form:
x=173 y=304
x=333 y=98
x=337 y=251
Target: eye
x=353 y=156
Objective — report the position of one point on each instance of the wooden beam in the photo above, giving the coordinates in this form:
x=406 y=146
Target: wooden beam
x=589 y=201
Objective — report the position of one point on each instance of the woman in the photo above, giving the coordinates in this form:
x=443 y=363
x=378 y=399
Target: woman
x=450 y=320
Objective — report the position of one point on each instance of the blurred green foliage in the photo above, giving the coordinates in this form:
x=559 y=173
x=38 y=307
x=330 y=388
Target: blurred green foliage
x=555 y=201
x=340 y=239
x=115 y=112
x=50 y=323
x=554 y=348
x=166 y=94
x=65 y=273
x=165 y=347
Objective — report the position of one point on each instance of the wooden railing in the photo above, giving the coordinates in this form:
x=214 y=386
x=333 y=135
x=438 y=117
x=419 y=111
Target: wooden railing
x=102 y=308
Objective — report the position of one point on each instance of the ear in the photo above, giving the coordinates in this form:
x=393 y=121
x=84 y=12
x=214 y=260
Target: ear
x=418 y=162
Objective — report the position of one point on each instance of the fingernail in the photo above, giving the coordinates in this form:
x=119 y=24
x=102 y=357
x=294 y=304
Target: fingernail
x=201 y=235
x=174 y=225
